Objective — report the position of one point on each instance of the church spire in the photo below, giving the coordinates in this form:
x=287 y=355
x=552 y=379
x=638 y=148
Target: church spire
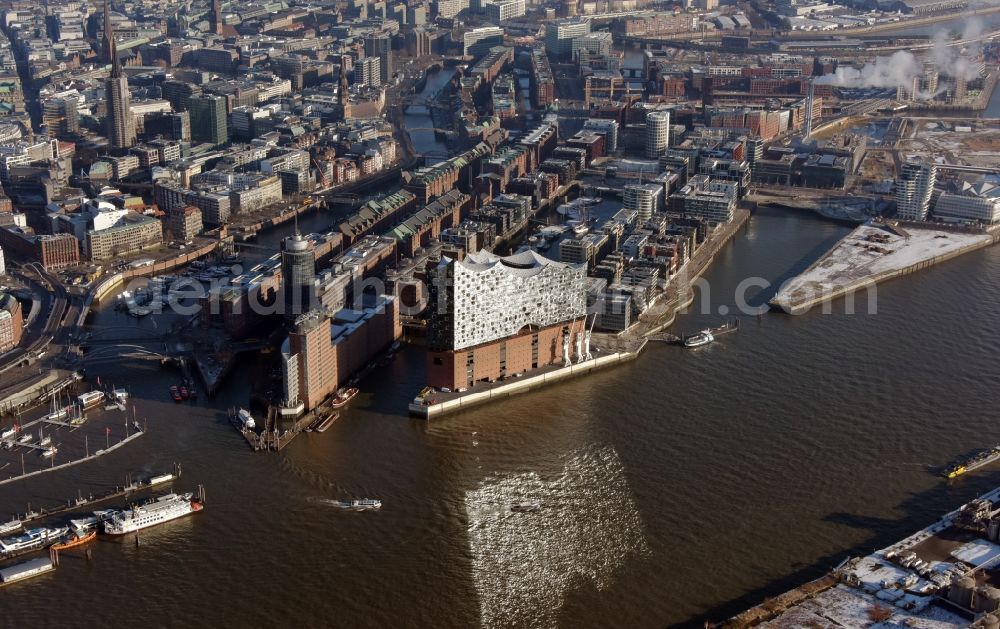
x=108 y=43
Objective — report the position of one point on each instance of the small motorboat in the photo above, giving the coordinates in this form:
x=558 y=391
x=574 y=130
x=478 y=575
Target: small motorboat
x=525 y=507
x=697 y=340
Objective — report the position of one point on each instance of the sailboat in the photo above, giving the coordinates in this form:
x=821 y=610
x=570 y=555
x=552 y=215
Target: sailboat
x=77 y=417
x=56 y=412
x=43 y=440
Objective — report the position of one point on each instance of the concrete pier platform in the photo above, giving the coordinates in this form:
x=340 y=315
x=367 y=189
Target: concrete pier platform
x=873 y=253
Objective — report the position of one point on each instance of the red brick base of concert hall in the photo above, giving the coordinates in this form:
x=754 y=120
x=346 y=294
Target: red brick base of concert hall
x=489 y=362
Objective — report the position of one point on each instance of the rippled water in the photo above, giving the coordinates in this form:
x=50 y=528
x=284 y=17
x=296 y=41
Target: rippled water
x=587 y=528
x=680 y=486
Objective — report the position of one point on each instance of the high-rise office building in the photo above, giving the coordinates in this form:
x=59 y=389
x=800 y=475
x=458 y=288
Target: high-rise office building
x=478 y=41
x=60 y=116
x=559 y=35
x=503 y=10
x=298 y=275
x=657 y=133
x=208 y=119
x=914 y=189
x=606 y=127
x=380 y=45
x=120 y=121
x=368 y=71
x=978 y=201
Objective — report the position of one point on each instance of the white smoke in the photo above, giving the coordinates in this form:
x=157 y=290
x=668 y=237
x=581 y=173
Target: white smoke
x=895 y=71
x=900 y=69
x=950 y=60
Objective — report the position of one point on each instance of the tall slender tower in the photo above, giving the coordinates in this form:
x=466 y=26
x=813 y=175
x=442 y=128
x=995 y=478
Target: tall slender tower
x=217 y=17
x=342 y=88
x=107 y=37
x=298 y=271
x=121 y=123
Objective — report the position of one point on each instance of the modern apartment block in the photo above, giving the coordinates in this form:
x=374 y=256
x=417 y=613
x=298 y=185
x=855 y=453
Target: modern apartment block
x=914 y=189
x=707 y=198
x=657 y=133
x=643 y=198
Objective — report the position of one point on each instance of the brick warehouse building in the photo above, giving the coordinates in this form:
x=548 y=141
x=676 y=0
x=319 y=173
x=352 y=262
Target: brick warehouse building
x=495 y=317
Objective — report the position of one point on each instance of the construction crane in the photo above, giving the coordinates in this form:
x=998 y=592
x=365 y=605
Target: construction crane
x=322 y=173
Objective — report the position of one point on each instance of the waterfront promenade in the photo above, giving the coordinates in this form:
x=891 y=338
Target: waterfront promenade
x=678 y=295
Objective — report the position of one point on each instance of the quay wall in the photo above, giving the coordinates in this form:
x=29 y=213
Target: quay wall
x=804 y=305
x=519 y=385
x=687 y=298
x=112 y=282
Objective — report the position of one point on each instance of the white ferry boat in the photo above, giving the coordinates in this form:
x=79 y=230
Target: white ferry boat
x=158 y=511
x=31 y=539
x=161 y=478
x=697 y=340
x=246 y=419
x=85 y=525
x=90 y=399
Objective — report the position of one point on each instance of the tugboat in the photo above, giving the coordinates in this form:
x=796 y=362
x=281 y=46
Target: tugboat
x=974 y=462
x=697 y=340
x=75 y=539
x=343 y=398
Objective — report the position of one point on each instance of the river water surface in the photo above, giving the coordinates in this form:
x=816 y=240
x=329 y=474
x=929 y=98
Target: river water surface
x=682 y=485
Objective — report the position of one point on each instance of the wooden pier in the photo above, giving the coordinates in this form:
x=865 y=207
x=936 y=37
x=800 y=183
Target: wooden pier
x=73 y=504
x=270 y=438
x=89 y=457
